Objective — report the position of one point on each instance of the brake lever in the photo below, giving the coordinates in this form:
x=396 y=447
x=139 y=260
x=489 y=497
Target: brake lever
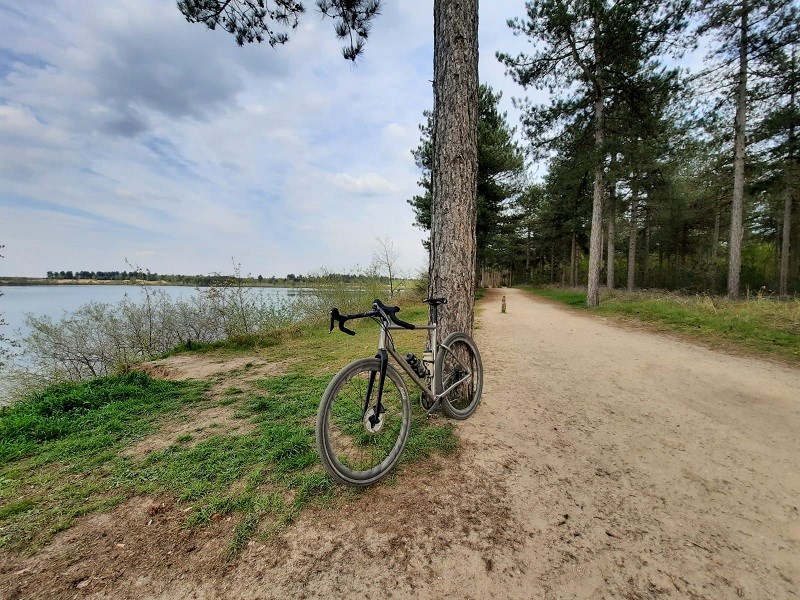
x=336 y=316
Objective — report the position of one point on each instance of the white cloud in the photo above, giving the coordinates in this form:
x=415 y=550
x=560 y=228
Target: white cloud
x=395 y=132
x=136 y=134
x=370 y=184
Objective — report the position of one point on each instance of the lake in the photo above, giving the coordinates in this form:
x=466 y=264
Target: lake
x=56 y=301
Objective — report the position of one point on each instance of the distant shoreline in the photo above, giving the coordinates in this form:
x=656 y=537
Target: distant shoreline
x=22 y=281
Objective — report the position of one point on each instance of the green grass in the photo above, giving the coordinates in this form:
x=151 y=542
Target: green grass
x=63 y=450
x=235 y=343
x=763 y=326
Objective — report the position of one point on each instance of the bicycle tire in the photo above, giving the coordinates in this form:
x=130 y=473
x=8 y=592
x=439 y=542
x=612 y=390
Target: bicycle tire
x=350 y=451
x=456 y=351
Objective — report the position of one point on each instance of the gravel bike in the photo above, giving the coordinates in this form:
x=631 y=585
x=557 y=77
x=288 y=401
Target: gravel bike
x=365 y=413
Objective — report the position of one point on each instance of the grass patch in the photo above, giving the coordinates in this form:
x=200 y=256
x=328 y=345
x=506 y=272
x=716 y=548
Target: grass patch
x=571 y=297
x=62 y=450
x=237 y=343
x=60 y=447
x=767 y=327
x=80 y=421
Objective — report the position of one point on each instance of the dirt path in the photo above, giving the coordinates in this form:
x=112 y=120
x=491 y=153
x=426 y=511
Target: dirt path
x=603 y=463
x=679 y=467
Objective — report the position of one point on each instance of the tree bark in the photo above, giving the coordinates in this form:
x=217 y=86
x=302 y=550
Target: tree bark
x=573 y=261
x=714 y=251
x=634 y=234
x=602 y=249
x=455 y=162
x=791 y=187
x=794 y=254
x=528 y=269
x=595 y=250
x=783 y=287
x=736 y=232
x=646 y=253
x=612 y=233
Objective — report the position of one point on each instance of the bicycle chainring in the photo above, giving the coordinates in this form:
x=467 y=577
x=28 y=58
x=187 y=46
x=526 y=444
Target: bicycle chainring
x=425 y=402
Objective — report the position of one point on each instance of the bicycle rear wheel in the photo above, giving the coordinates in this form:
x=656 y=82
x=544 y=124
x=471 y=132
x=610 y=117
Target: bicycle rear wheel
x=357 y=446
x=458 y=365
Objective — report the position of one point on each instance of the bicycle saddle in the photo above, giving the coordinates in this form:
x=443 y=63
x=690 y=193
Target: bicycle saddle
x=435 y=301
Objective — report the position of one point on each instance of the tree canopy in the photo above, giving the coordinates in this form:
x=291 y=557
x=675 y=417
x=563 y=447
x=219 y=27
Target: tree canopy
x=271 y=20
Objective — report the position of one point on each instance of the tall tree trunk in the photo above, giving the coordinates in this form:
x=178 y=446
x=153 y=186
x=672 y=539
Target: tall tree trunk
x=791 y=187
x=783 y=287
x=634 y=234
x=573 y=261
x=602 y=250
x=735 y=242
x=528 y=254
x=612 y=234
x=646 y=257
x=714 y=251
x=595 y=250
x=455 y=161
x=794 y=254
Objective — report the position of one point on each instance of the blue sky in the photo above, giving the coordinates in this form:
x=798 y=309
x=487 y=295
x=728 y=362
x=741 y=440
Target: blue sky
x=127 y=133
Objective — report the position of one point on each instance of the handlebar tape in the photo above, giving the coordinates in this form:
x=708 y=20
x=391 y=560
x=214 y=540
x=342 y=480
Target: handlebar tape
x=336 y=316
x=391 y=313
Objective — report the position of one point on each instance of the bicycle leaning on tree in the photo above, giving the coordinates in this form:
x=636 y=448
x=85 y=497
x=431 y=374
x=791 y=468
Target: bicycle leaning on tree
x=364 y=416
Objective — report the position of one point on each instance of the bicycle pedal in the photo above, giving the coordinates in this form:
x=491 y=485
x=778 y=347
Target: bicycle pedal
x=433 y=408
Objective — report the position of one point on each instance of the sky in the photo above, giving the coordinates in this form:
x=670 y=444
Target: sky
x=131 y=137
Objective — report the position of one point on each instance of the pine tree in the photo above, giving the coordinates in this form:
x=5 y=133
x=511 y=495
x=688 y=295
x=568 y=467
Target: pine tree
x=500 y=166
x=589 y=51
x=455 y=161
x=259 y=20
x=777 y=146
x=747 y=32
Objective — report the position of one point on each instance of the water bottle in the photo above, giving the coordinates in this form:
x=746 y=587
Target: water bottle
x=416 y=365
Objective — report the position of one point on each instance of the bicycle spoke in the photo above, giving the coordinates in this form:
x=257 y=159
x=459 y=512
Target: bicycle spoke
x=460 y=375
x=355 y=441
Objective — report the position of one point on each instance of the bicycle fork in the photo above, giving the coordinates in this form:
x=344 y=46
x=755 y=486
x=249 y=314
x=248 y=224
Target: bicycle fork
x=375 y=418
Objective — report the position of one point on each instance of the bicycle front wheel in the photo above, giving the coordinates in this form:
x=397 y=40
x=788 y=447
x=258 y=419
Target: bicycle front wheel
x=460 y=370
x=358 y=441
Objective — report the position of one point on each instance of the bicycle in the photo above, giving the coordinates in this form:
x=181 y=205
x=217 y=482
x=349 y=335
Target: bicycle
x=361 y=432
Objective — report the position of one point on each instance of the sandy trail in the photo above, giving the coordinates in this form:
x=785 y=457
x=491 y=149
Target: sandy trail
x=603 y=463
x=679 y=467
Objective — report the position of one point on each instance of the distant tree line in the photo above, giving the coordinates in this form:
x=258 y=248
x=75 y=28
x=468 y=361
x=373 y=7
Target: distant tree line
x=214 y=280
x=107 y=275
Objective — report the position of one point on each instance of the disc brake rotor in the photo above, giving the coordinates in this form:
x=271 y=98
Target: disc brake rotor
x=371 y=424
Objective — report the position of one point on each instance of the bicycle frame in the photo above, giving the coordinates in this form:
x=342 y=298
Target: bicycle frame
x=385 y=350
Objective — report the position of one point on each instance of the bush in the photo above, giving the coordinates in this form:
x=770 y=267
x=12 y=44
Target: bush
x=98 y=338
